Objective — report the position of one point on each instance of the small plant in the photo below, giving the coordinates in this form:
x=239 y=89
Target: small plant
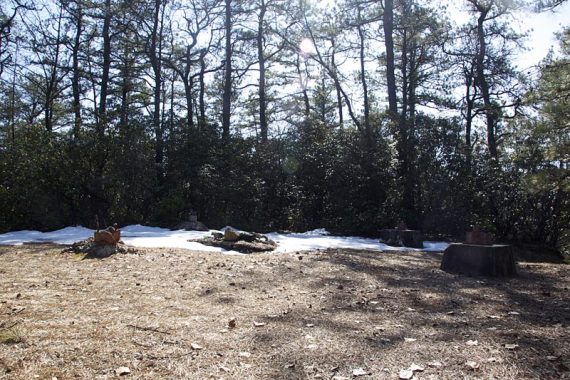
x=11 y=335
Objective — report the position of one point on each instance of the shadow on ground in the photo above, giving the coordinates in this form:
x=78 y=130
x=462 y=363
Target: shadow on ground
x=402 y=305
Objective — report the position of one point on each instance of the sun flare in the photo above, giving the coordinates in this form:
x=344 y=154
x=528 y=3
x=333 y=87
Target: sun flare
x=307 y=47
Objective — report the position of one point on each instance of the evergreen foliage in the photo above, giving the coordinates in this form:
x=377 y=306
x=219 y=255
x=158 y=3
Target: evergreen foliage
x=110 y=115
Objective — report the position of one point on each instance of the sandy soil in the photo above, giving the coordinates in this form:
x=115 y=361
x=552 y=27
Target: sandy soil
x=336 y=314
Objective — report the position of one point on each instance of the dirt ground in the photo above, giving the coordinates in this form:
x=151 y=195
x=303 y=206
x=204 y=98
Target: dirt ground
x=336 y=314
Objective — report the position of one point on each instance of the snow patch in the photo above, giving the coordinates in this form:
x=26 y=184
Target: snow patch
x=67 y=235
x=317 y=232
x=156 y=237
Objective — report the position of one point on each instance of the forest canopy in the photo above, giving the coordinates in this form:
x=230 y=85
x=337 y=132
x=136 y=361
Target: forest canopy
x=282 y=115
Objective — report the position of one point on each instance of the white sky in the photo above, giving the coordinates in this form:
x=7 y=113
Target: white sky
x=542 y=36
x=541 y=28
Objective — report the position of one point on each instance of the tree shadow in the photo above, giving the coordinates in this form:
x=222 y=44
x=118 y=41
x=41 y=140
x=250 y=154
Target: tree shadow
x=30 y=248
x=410 y=291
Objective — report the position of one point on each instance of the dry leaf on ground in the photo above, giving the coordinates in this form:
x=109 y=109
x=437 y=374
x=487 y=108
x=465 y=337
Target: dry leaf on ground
x=472 y=365
x=122 y=371
x=359 y=372
x=416 y=368
x=406 y=374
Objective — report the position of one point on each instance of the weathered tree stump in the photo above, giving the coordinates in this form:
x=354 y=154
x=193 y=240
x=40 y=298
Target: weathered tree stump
x=477 y=236
x=479 y=260
x=105 y=242
x=107 y=237
x=402 y=238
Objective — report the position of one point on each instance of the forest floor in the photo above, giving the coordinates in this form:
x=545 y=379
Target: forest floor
x=335 y=314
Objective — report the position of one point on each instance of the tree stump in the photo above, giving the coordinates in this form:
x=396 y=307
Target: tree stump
x=105 y=242
x=479 y=260
x=476 y=236
x=402 y=238
x=106 y=237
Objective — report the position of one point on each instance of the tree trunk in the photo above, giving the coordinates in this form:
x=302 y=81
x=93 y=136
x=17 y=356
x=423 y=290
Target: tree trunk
x=53 y=80
x=367 y=127
x=126 y=88
x=188 y=86
x=321 y=106
x=490 y=111
x=155 y=55
x=404 y=145
x=337 y=86
x=388 y=19
x=404 y=72
x=470 y=100
x=412 y=87
x=227 y=94
x=346 y=101
x=75 y=81
x=202 y=103
x=189 y=109
x=262 y=91
x=13 y=96
x=479 y=260
x=306 y=102
x=102 y=117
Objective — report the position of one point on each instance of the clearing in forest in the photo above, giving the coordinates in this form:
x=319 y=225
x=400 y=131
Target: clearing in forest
x=168 y=313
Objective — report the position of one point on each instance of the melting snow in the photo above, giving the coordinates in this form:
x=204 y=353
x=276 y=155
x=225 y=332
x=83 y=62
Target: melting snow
x=155 y=237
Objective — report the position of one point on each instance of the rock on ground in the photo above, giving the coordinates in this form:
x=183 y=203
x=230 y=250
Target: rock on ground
x=89 y=247
x=243 y=242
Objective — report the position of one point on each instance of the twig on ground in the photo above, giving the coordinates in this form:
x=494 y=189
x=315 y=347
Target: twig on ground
x=143 y=328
